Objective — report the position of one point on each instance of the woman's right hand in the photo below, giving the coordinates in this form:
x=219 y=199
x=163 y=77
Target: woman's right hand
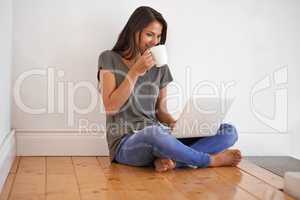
x=144 y=63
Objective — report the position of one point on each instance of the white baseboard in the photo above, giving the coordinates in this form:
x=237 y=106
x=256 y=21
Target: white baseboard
x=296 y=156
x=55 y=142
x=264 y=144
x=7 y=156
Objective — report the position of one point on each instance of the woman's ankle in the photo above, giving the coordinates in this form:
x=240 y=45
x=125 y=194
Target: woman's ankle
x=213 y=161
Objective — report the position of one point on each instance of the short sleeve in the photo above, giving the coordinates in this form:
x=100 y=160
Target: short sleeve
x=166 y=77
x=105 y=61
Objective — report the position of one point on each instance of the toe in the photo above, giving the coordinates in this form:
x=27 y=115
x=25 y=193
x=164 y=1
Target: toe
x=238 y=154
x=171 y=164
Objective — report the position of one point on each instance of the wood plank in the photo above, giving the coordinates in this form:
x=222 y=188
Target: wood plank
x=7 y=187
x=204 y=183
x=30 y=179
x=15 y=165
x=262 y=174
x=91 y=180
x=9 y=180
x=140 y=182
x=119 y=179
x=104 y=162
x=251 y=184
x=96 y=178
x=61 y=180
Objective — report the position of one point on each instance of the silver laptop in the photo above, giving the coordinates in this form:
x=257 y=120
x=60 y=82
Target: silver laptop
x=201 y=117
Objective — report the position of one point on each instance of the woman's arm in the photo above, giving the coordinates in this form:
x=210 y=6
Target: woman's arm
x=162 y=113
x=113 y=97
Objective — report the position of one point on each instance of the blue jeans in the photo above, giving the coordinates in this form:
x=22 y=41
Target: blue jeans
x=143 y=147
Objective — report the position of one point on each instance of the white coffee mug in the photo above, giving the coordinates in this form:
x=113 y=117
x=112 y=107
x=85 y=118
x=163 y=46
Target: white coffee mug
x=159 y=54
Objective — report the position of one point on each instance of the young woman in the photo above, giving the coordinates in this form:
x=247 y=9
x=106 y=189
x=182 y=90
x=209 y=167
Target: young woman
x=133 y=89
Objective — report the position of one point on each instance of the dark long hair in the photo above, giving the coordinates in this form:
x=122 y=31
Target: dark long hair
x=126 y=45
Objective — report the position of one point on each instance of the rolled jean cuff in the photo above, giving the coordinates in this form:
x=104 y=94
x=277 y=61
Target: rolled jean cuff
x=206 y=160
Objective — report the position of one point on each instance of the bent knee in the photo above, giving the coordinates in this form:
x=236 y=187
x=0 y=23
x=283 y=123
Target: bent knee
x=154 y=133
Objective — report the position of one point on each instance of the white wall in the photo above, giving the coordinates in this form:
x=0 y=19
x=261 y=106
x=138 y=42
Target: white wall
x=213 y=41
x=5 y=67
x=7 y=142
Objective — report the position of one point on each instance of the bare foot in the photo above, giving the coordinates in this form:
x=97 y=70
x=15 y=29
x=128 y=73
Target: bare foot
x=164 y=164
x=226 y=158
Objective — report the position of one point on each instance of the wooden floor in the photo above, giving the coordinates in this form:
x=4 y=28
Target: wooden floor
x=89 y=178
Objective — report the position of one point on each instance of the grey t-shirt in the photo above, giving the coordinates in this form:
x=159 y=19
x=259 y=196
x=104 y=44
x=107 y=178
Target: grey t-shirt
x=138 y=111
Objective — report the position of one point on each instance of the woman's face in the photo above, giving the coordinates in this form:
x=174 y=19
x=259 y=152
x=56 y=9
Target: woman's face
x=150 y=36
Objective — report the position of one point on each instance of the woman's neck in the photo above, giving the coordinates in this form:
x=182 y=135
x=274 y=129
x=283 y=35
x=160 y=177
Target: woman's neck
x=132 y=61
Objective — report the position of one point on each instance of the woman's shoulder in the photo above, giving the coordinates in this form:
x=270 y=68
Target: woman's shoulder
x=106 y=53
x=106 y=59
